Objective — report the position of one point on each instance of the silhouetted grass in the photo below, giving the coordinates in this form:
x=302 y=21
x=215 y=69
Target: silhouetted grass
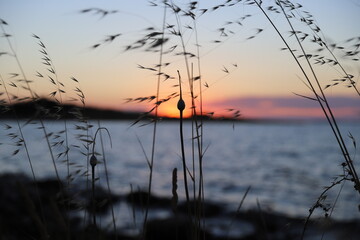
x=165 y=42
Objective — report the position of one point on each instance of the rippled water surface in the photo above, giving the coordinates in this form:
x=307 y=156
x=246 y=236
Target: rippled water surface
x=287 y=165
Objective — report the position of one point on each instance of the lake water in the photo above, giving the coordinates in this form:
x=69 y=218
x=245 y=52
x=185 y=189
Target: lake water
x=287 y=165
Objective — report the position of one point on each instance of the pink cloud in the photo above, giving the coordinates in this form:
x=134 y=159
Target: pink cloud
x=288 y=107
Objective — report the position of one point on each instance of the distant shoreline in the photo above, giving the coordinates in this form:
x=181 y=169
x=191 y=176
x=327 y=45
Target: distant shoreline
x=51 y=110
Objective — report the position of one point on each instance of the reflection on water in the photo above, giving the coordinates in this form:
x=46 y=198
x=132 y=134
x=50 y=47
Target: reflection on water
x=286 y=165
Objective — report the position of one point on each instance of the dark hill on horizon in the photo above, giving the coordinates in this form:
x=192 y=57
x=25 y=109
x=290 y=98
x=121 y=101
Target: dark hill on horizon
x=52 y=110
x=48 y=109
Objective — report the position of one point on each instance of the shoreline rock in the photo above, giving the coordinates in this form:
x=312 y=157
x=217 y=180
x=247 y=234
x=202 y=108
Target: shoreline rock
x=48 y=209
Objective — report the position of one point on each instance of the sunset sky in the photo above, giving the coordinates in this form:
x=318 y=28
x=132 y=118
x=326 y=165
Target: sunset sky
x=242 y=65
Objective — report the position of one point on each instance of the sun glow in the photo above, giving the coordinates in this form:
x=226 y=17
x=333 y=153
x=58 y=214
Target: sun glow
x=171 y=111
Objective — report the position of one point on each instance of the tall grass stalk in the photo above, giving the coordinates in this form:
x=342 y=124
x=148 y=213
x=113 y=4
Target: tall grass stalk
x=197 y=137
x=338 y=63
x=200 y=142
x=48 y=62
x=327 y=109
x=27 y=151
x=155 y=120
x=237 y=212
x=181 y=106
x=319 y=94
x=318 y=203
x=34 y=97
x=103 y=153
x=87 y=141
x=347 y=75
x=93 y=163
x=174 y=198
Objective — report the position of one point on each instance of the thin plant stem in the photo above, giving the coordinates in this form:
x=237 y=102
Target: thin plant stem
x=33 y=97
x=26 y=150
x=333 y=121
x=194 y=119
x=93 y=193
x=335 y=202
x=93 y=163
x=60 y=93
x=155 y=122
x=311 y=211
x=237 y=211
x=108 y=182
x=321 y=100
x=352 y=83
x=181 y=107
x=343 y=69
x=325 y=108
x=201 y=115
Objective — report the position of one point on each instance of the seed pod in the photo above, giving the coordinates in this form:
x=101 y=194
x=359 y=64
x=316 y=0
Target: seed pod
x=174 y=199
x=181 y=104
x=93 y=161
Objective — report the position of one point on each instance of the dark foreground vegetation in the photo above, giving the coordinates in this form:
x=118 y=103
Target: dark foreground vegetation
x=68 y=213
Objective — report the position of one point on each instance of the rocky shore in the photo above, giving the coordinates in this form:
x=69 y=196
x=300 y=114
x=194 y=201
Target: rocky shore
x=48 y=210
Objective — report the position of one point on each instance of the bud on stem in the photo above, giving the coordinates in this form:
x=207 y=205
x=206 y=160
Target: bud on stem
x=181 y=104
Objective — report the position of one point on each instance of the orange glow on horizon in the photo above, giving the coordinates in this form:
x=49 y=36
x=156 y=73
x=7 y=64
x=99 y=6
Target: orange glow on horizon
x=172 y=112
x=248 y=108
